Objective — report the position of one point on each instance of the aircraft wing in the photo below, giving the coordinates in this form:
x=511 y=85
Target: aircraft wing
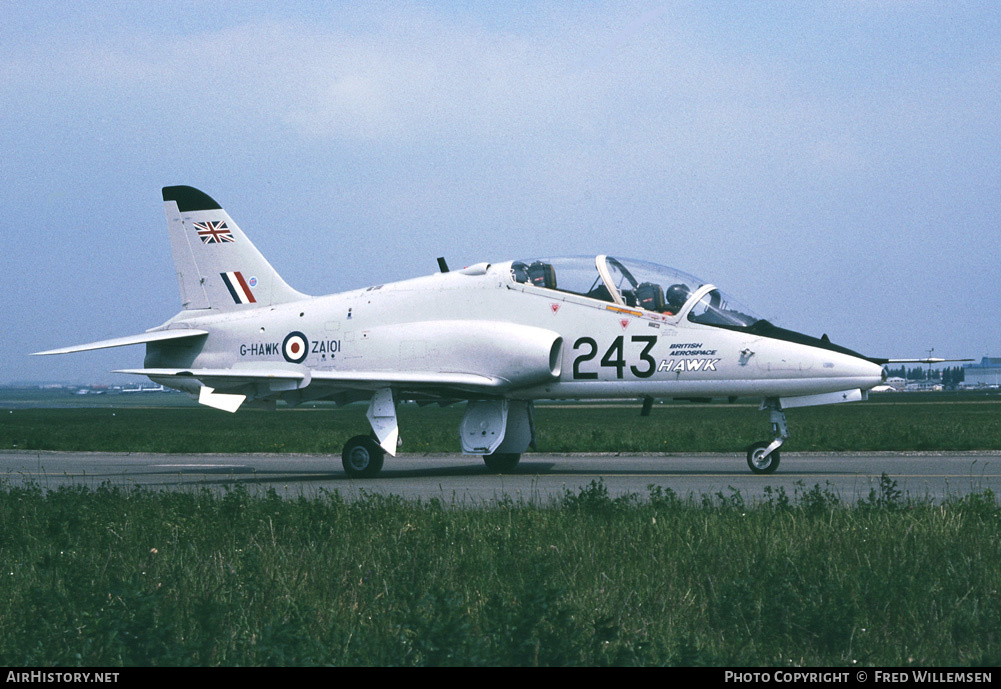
x=376 y=379
x=236 y=385
x=143 y=338
x=365 y=380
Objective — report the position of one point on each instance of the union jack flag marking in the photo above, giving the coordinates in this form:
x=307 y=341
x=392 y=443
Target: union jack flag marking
x=214 y=232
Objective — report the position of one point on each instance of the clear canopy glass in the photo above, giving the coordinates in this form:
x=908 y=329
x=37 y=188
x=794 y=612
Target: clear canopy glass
x=638 y=284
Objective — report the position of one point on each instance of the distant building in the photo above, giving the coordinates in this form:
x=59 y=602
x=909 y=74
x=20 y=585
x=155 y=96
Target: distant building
x=896 y=382
x=986 y=373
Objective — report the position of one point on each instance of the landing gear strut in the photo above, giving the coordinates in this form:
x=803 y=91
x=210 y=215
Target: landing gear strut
x=763 y=457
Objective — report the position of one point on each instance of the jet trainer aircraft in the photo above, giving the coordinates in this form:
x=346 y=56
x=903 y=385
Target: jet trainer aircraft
x=497 y=335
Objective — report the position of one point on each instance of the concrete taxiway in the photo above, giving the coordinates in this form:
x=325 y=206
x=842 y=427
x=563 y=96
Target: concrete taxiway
x=464 y=480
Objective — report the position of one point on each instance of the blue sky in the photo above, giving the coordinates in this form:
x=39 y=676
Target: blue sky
x=836 y=166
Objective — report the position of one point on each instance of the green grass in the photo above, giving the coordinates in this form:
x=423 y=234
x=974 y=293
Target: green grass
x=129 y=577
x=955 y=425
x=114 y=576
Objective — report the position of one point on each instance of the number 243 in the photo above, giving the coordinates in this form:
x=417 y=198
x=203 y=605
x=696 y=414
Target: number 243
x=614 y=357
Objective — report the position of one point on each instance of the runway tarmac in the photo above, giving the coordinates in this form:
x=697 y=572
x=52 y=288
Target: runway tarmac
x=463 y=480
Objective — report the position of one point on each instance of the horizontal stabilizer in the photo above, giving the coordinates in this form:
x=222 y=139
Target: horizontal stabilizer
x=144 y=338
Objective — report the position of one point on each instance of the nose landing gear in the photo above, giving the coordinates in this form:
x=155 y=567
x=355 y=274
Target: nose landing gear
x=763 y=457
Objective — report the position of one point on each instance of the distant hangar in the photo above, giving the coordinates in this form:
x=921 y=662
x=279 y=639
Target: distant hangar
x=985 y=374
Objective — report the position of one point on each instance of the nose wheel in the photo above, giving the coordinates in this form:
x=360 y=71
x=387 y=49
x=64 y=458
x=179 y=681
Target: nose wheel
x=760 y=460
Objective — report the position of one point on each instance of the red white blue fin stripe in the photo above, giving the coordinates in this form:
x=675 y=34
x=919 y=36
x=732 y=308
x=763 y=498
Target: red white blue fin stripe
x=238 y=287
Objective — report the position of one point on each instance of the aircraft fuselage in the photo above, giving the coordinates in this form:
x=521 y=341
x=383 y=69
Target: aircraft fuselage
x=496 y=336
x=449 y=322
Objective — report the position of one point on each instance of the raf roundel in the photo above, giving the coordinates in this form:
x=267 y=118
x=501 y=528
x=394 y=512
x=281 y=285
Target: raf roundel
x=295 y=347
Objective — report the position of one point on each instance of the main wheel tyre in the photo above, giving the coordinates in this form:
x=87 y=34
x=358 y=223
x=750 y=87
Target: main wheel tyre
x=362 y=457
x=501 y=463
x=759 y=463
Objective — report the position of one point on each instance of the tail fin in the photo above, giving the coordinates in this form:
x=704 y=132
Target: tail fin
x=217 y=266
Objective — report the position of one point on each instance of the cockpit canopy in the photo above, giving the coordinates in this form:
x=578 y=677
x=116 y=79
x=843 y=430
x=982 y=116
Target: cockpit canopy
x=635 y=284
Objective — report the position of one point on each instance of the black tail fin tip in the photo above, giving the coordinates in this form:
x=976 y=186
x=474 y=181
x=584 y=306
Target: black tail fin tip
x=190 y=199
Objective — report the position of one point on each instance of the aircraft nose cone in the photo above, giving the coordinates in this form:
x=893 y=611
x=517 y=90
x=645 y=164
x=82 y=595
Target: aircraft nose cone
x=873 y=374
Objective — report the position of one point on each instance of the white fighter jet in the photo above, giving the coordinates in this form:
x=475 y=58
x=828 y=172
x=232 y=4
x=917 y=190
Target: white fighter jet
x=496 y=335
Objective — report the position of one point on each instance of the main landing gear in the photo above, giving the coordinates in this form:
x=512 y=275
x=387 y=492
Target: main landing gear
x=501 y=462
x=763 y=457
x=362 y=457
x=498 y=429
